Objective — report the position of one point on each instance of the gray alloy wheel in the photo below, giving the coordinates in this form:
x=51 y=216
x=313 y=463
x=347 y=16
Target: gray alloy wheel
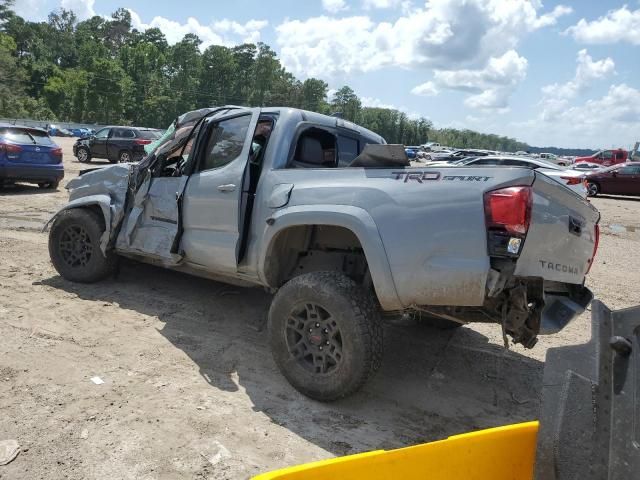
x=593 y=189
x=82 y=154
x=124 y=157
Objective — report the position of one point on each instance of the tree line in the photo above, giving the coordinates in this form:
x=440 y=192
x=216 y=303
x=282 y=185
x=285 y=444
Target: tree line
x=105 y=71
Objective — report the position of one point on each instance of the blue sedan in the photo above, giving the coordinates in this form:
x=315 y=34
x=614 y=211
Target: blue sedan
x=29 y=155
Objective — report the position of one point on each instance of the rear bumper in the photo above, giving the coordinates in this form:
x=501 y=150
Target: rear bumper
x=32 y=173
x=560 y=309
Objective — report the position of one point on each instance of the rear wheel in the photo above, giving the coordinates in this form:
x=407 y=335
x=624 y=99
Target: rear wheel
x=593 y=189
x=325 y=335
x=83 y=155
x=124 y=156
x=74 y=246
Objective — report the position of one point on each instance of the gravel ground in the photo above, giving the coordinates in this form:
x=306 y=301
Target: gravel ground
x=190 y=389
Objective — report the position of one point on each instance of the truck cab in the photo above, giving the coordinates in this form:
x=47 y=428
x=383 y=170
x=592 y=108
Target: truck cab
x=606 y=158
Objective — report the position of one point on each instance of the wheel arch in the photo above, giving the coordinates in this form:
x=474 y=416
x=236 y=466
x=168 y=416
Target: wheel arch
x=100 y=204
x=287 y=225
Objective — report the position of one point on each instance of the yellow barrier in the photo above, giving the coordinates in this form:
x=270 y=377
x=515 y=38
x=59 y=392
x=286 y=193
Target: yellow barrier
x=503 y=453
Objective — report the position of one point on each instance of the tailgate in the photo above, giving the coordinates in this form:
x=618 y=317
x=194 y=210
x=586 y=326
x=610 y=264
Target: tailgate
x=561 y=239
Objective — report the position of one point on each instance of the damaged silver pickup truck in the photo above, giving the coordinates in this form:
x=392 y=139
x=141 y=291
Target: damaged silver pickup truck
x=336 y=222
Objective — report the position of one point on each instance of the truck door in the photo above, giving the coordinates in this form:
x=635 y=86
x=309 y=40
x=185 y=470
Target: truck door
x=211 y=205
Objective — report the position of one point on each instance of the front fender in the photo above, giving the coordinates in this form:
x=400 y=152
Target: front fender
x=103 y=201
x=355 y=219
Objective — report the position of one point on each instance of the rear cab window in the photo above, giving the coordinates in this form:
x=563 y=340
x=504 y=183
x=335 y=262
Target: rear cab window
x=348 y=149
x=321 y=146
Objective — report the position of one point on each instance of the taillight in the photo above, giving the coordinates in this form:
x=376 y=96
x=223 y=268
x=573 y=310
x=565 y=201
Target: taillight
x=509 y=209
x=508 y=215
x=57 y=152
x=141 y=141
x=10 y=148
x=596 y=244
x=572 y=180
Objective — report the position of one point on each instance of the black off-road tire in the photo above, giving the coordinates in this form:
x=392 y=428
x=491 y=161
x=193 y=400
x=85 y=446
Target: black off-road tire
x=353 y=314
x=434 y=322
x=83 y=154
x=74 y=246
x=593 y=189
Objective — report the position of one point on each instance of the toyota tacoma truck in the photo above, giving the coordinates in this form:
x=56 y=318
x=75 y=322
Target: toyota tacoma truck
x=338 y=225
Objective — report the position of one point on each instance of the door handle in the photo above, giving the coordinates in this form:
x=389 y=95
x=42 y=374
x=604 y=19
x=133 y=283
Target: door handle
x=229 y=187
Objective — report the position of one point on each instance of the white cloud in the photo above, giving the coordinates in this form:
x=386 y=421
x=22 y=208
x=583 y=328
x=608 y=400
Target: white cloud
x=31 y=9
x=427 y=89
x=622 y=25
x=556 y=96
x=334 y=6
x=490 y=86
x=82 y=8
x=552 y=18
x=610 y=120
x=445 y=35
x=222 y=32
x=369 y=4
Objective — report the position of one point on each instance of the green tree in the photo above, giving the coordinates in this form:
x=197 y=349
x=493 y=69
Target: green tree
x=346 y=101
x=219 y=70
x=314 y=95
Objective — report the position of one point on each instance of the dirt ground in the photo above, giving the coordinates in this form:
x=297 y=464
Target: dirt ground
x=190 y=390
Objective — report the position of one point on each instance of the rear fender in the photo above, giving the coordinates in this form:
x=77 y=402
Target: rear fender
x=102 y=201
x=355 y=219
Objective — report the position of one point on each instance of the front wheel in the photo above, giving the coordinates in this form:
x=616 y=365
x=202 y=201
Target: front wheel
x=325 y=335
x=83 y=155
x=74 y=246
x=593 y=189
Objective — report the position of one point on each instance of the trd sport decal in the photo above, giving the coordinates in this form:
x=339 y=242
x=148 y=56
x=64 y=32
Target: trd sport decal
x=421 y=177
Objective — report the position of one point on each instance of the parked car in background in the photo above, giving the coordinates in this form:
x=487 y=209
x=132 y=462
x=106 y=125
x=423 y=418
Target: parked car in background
x=28 y=154
x=116 y=144
x=606 y=158
x=451 y=156
x=57 y=131
x=586 y=166
x=431 y=147
x=81 y=132
x=550 y=157
x=411 y=152
x=572 y=179
x=615 y=180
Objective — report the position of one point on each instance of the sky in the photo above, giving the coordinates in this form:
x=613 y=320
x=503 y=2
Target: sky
x=549 y=73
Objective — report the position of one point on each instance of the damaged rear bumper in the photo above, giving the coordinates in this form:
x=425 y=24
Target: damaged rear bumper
x=560 y=309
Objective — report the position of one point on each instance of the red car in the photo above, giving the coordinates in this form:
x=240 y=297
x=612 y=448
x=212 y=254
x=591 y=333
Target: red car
x=606 y=157
x=617 y=180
